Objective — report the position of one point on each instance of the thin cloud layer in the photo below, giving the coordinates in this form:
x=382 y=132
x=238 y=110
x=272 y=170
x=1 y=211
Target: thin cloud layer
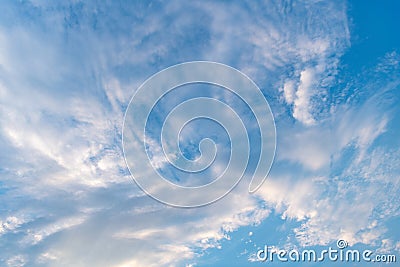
x=67 y=72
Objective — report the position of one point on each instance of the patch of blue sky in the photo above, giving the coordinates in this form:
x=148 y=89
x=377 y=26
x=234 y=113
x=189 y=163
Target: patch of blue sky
x=244 y=243
x=201 y=128
x=373 y=35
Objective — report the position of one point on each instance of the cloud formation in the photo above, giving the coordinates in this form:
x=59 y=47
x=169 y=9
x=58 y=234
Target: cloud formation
x=67 y=72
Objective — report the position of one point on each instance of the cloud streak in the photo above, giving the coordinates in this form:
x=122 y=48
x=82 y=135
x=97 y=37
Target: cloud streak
x=67 y=72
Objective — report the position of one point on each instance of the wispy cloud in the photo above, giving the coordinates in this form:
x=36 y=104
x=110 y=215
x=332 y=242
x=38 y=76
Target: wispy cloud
x=67 y=72
x=347 y=171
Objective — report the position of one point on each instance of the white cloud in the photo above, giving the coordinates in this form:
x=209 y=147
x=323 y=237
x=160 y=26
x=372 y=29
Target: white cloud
x=37 y=235
x=303 y=94
x=17 y=261
x=62 y=110
x=289 y=91
x=9 y=224
x=348 y=184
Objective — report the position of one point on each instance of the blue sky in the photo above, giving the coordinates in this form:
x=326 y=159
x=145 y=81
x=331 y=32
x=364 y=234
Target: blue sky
x=329 y=70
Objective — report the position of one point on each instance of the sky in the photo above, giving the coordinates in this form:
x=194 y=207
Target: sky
x=330 y=71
